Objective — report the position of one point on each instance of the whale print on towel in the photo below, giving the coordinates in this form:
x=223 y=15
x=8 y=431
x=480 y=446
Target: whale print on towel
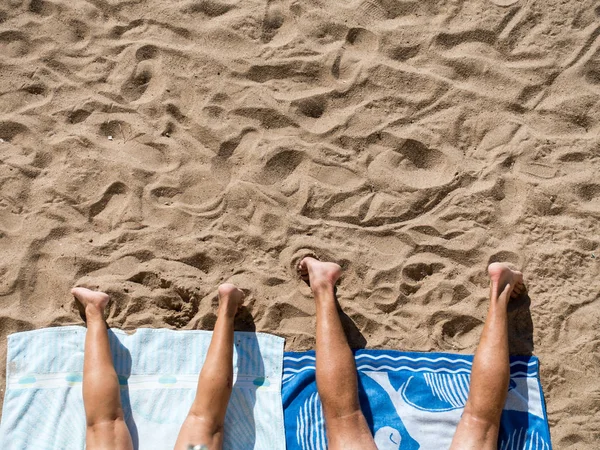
x=426 y=400
x=436 y=391
x=387 y=438
x=420 y=423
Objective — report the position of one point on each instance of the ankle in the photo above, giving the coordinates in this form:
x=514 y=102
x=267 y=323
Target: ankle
x=323 y=291
x=223 y=314
x=496 y=295
x=92 y=312
x=225 y=309
x=498 y=306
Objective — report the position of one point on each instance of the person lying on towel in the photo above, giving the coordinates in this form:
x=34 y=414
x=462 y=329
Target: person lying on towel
x=337 y=383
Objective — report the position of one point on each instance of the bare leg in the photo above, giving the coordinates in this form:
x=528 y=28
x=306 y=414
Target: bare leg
x=480 y=423
x=204 y=423
x=336 y=371
x=106 y=428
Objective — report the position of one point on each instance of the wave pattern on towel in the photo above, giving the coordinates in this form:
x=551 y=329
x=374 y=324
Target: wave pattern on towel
x=154 y=149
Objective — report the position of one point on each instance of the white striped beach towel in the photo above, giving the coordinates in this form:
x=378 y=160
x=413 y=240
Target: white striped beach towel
x=158 y=371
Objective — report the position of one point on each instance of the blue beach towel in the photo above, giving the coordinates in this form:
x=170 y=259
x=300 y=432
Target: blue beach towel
x=414 y=401
x=158 y=371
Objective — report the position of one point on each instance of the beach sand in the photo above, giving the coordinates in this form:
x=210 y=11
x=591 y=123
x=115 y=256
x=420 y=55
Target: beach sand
x=155 y=149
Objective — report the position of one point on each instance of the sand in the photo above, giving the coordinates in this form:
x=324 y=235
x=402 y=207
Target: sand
x=155 y=149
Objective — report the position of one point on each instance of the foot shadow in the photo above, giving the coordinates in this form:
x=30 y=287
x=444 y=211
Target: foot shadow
x=520 y=326
x=244 y=321
x=356 y=340
x=520 y=343
x=250 y=375
x=122 y=364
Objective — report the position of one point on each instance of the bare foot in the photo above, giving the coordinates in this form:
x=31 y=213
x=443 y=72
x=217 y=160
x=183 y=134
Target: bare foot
x=502 y=276
x=230 y=299
x=92 y=301
x=319 y=275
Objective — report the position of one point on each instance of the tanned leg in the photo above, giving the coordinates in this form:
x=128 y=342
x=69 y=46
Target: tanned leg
x=480 y=423
x=337 y=383
x=106 y=428
x=206 y=418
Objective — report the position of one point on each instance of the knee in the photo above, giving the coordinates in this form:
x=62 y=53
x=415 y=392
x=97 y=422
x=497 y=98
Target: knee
x=485 y=421
x=104 y=419
x=103 y=426
x=207 y=423
x=340 y=405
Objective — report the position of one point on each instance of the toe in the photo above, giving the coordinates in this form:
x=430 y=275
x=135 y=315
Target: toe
x=302 y=272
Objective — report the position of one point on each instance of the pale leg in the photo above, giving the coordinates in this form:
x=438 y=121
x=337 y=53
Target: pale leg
x=206 y=418
x=106 y=428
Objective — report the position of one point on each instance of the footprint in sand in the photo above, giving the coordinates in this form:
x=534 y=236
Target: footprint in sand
x=372 y=10
x=14 y=44
x=415 y=272
x=78 y=116
x=112 y=194
x=272 y=22
x=119 y=206
x=12 y=131
x=24 y=99
x=312 y=107
x=456 y=331
x=74 y=35
x=401 y=45
x=279 y=166
x=142 y=81
x=120 y=140
x=111 y=129
x=316 y=113
x=411 y=164
x=589 y=193
x=361 y=44
x=146 y=52
x=138 y=82
x=202 y=198
x=369 y=11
